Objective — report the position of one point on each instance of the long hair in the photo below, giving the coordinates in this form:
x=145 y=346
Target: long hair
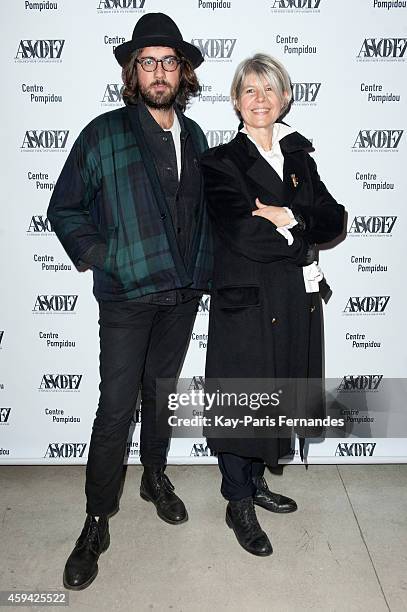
x=188 y=86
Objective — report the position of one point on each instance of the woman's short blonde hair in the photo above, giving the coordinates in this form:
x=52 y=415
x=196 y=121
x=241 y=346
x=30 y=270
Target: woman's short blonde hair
x=262 y=66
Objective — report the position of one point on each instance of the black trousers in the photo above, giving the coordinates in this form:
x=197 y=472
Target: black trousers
x=138 y=344
x=237 y=475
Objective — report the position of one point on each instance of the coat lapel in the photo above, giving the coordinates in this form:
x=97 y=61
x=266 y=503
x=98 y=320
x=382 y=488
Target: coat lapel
x=260 y=171
x=294 y=168
x=255 y=167
x=263 y=174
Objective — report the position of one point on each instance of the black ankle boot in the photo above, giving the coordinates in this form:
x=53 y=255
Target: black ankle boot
x=81 y=567
x=157 y=488
x=241 y=517
x=271 y=501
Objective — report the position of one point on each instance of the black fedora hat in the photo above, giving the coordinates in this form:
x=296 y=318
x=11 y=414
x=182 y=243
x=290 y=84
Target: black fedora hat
x=157 y=30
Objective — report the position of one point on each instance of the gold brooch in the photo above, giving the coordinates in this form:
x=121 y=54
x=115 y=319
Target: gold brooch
x=294 y=180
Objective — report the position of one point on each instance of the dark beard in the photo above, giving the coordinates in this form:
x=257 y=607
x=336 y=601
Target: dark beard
x=159 y=101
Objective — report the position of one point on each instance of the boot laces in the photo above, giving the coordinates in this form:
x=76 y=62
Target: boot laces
x=247 y=517
x=261 y=483
x=165 y=483
x=91 y=538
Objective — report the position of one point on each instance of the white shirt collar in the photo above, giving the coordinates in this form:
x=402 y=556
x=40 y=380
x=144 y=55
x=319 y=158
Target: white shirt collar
x=280 y=131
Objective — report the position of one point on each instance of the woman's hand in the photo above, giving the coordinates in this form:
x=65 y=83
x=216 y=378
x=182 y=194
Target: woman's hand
x=275 y=214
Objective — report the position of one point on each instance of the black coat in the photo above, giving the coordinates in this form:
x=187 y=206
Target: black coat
x=262 y=322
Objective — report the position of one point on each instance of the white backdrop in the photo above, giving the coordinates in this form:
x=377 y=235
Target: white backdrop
x=347 y=59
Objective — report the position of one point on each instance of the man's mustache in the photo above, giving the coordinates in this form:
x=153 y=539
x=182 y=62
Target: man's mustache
x=160 y=82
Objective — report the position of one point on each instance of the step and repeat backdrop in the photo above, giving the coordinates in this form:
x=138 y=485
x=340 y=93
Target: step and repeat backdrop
x=347 y=62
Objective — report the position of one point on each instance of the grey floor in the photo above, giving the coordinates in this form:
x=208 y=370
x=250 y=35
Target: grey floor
x=345 y=549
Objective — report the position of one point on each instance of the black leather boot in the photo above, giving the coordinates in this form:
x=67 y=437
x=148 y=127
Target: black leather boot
x=271 y=501
x=241 y=517
x=157 y=488
x=81 y=567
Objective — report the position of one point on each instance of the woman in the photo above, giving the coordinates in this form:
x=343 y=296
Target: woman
x=268 y=208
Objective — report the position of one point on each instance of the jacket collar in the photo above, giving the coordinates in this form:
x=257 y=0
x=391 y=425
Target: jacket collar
x=148 y=122
x=289 y=144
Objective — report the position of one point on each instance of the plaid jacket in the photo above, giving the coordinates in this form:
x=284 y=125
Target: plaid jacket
x=108 y=193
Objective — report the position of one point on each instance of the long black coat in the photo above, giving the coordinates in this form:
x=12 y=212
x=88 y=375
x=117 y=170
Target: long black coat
x=262 y=322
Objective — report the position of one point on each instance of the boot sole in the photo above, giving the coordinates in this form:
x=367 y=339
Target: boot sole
x=229 y=523
x=163 y=518
x=85 y=585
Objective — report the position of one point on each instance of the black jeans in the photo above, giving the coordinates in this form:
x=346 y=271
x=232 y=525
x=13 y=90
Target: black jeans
x=237 y=475
x=138 y=344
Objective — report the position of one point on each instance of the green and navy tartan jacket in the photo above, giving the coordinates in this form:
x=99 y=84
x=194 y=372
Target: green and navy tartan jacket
x=108 y=193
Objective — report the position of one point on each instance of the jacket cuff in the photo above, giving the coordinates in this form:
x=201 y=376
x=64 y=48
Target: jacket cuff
x=301 y=223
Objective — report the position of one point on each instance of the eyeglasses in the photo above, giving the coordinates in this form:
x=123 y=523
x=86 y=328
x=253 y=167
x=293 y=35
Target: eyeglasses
x=169 y=63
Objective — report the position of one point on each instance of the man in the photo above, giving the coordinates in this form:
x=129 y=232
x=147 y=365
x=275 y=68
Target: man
x=129 y=204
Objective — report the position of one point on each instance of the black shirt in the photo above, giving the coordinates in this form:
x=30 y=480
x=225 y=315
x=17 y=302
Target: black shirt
x=182 y=197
